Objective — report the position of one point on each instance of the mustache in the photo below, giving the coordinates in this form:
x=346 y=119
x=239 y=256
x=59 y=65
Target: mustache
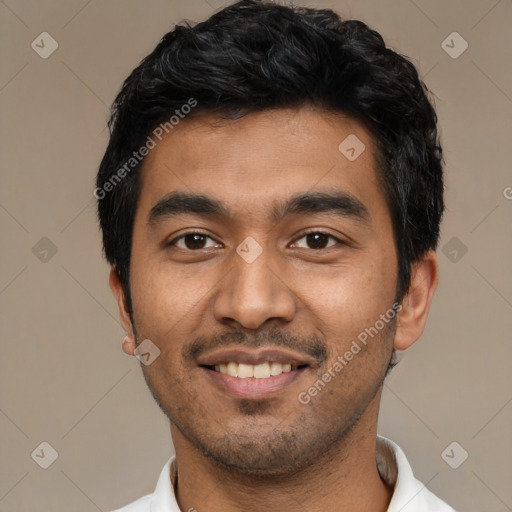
x=311 y=345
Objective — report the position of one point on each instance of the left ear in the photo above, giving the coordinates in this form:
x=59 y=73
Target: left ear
x=129 y=344
x=416 y=302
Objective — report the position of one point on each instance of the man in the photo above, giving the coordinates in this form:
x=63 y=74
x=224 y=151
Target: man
x=270 y=202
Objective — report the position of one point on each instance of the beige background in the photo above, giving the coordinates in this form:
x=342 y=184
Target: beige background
x=64 y=379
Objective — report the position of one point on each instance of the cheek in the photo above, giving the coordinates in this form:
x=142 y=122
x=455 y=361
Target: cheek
x=349 y=298
x=168 y=309
x=348 y=314
x=164 y=300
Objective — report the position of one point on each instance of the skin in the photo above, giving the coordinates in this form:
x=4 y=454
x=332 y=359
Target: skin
x=275 y=453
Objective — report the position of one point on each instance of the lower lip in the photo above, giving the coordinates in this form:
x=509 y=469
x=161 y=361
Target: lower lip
x=251 y=387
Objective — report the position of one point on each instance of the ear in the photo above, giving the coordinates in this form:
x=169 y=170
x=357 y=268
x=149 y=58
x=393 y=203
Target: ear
x=117 y=289
x=416 y=302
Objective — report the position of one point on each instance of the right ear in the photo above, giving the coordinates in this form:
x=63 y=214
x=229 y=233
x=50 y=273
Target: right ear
x=117 y=289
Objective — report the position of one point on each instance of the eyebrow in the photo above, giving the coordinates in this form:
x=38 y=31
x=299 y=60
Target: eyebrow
x=338 y=202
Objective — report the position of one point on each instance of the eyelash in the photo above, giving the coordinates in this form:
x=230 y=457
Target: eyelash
x=313 y=231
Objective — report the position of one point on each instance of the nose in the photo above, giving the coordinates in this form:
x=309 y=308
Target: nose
x=253 y=293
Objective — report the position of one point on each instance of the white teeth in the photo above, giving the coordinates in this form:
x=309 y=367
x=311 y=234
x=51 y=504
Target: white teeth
x=262 y=371
x=233 y=369
x=276 y=369
x=258 y=371
x=245 y=370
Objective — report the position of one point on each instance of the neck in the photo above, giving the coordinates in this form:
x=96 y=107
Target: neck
x=344 y=478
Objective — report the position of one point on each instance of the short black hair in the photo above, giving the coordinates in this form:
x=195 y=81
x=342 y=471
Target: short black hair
x=256 y=55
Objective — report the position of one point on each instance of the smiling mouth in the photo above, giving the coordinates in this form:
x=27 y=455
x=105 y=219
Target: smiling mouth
x=256 y=371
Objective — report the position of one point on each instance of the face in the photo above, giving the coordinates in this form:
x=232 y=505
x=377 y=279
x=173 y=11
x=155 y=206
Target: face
x=284 y=257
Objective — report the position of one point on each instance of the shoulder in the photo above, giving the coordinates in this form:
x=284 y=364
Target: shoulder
x=410 y=495
x=163 y=496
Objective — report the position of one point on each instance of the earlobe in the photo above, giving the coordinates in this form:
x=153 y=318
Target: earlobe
x=129 y=344
x=416 y=302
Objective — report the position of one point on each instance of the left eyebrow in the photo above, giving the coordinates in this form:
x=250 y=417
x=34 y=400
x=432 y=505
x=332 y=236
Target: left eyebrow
x=338 y=202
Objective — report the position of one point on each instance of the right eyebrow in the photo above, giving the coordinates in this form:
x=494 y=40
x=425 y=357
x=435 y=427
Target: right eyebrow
x=182 y=203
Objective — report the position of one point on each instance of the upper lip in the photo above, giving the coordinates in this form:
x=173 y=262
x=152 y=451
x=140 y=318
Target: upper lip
x=254 y=357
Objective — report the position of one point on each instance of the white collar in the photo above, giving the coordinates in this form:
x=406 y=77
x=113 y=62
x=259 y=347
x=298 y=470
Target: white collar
x=409 y=494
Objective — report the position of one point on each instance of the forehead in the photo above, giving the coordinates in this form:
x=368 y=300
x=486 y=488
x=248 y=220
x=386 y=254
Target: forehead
x=251 y=162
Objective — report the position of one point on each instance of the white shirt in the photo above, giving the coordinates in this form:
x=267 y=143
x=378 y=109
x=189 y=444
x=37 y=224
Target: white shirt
x=409 y=494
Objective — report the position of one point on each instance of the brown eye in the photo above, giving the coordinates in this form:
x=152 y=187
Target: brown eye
x=191 y=241
x=318 y=240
